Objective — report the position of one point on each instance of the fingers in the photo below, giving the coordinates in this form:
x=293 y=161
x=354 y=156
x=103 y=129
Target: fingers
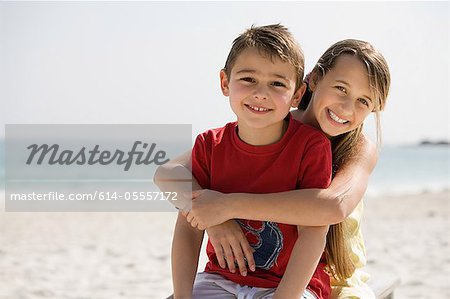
x=201 y=226
x=229 y=258
x=219 y=253
x=233 y=255
x=189 y=217
x=239 y=258
x=248 y=253
x=191 y=220
x=231 y=247
x=194 y=223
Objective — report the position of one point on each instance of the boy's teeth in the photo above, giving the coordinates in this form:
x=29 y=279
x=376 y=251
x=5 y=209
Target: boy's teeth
x=336 y=118
x=257 y=108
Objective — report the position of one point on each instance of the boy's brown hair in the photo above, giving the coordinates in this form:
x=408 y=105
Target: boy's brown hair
x=274 y=41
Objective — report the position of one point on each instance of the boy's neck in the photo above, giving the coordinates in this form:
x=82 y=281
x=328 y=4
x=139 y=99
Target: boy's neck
x=262 y=136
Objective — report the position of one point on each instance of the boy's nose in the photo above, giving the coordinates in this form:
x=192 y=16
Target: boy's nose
x=260 y=93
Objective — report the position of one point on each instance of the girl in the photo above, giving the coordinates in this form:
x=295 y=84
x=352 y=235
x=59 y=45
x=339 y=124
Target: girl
x=349 y=81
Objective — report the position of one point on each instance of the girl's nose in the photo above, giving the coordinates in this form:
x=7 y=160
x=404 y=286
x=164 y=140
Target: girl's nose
x=347 y=107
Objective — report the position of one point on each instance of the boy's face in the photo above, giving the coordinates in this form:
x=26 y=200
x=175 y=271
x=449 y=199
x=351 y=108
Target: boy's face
x=261 y=91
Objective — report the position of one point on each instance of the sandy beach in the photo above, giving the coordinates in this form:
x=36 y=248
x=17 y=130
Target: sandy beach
x=127 y=255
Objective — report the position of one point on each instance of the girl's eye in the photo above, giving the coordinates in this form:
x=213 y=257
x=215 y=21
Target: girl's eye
x=364 y=102
x=341 y=88
x=278 y=84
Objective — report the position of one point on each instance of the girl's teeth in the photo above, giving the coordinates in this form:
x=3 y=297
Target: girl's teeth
x=336 y=118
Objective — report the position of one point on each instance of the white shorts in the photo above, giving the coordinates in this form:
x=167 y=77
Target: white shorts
x=215 y=286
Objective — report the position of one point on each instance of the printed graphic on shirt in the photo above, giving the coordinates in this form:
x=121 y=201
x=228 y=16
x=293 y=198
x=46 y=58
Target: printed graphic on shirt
x=266 y=239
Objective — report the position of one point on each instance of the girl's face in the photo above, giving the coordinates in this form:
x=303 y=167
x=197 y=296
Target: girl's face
x=341 y=99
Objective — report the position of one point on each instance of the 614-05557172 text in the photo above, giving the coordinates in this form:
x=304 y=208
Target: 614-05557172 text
x=97 y=195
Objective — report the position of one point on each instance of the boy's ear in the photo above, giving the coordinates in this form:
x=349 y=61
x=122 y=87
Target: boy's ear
x=224 y=83
x=298 y=96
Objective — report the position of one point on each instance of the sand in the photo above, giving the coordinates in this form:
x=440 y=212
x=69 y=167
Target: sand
x=409 y=236
x=127 y=255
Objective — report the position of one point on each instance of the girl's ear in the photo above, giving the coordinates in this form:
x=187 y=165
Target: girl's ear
x=313 y=80
x=224 y=83
x=298 y=96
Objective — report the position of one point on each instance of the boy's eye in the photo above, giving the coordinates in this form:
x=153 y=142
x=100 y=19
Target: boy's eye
x=248 y=79
x=278 y=84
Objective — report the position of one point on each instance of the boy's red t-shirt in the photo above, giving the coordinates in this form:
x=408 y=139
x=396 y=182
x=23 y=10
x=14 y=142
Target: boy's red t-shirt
x=301 y=159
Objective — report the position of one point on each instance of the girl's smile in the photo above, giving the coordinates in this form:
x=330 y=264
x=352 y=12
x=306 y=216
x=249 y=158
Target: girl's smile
x=336 y=119
x=342 y=98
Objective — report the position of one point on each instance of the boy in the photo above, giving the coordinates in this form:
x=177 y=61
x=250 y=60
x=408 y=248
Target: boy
x=265 y=151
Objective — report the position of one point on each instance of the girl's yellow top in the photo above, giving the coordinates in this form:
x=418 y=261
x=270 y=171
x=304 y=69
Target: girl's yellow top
x=355 y=286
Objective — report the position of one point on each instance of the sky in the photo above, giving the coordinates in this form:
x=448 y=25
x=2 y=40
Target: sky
x=159 y=62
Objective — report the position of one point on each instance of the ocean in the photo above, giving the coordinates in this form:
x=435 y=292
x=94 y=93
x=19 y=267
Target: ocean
x=409 y=170
x=401 y=170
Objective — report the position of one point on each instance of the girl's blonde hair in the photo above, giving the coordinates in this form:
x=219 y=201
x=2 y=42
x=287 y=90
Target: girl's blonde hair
x=345 y=146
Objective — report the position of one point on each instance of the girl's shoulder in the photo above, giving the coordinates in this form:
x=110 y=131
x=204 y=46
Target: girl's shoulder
x=367 y=152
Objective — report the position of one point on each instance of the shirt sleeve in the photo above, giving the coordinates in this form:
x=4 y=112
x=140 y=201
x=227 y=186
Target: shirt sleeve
x=316 y=167
x=201 y=160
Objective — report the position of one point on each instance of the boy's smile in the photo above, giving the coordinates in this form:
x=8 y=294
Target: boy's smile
x=261 y=92
x=257 y=109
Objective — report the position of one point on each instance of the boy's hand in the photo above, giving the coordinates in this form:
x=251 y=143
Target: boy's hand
x=231 y=247
x=208 y=209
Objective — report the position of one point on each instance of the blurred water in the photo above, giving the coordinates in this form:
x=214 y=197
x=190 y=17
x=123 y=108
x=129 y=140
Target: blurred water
x=404 y=170
x=401 y=170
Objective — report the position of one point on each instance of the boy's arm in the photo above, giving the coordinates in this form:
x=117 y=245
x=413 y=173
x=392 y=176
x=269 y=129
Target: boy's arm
x=303 y=262
x=186 y=245
x=315 y=171
x=187 y=240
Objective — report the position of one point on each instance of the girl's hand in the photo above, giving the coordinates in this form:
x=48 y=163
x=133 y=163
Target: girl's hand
x=208 y=209
x=231 y=247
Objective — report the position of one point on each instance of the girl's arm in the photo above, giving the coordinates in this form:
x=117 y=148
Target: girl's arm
x=175 y=176
x=307 y=207
x=329 y=206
